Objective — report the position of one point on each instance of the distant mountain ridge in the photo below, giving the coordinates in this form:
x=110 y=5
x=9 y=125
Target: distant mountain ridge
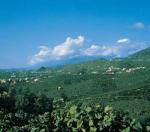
x=143 y=54
x=74 y=60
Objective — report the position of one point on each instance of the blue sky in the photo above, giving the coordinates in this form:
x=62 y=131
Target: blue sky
x=34 y=31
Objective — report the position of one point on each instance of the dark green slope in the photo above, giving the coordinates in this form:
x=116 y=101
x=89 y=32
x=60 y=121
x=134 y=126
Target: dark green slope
x=143 y=54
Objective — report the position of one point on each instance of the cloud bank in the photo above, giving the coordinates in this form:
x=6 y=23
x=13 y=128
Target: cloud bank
x=75 y=47
x=58 y=52
x=97 y=50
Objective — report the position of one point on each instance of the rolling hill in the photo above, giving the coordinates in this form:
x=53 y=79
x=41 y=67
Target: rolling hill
x=123 y=83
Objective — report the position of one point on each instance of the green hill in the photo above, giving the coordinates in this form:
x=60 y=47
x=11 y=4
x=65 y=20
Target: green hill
x=123 y=83
x=143 y=54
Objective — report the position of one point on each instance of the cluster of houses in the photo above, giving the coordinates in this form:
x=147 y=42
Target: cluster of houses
x=14 y=79
x=113 y=70
x=34 y=76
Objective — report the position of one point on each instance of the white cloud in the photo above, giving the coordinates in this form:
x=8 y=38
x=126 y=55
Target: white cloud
x=138 y=25
x=67 y=48
x=123 y=41
x=73 y=47
x=92 y=50
x=97 y=50
x=59 y=51
x=114 y=50
x=39 y=57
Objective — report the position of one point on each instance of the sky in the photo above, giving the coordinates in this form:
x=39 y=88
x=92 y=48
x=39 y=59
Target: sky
x=37 y=31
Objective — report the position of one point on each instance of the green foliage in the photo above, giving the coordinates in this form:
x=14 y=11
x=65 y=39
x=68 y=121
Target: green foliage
x=7 y=102
x=92 y=118
x=33 y=104
x=38 y=113
x=3 y=87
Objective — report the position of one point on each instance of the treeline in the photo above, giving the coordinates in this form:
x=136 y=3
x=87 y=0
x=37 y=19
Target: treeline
x=11 y=101
x=26 y=111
